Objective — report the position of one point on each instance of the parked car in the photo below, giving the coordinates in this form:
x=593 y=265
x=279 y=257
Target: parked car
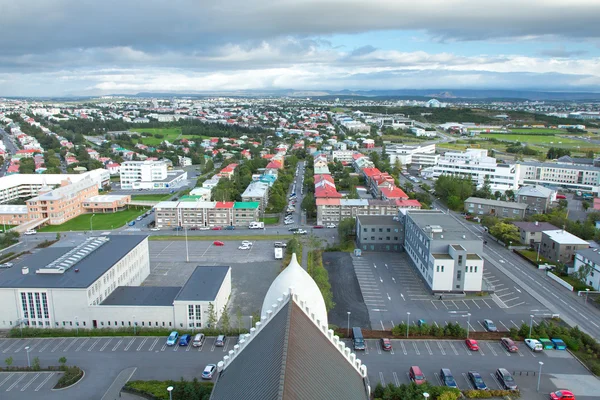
x=489 y=325
x=509 y=345
x=301 y=232
x=178 y=228
x=30 y=232
x=330 y=225
x=220 y=340
x=472 y=344
x=562 y=394
x=534 y=345
x=246 y=243
x=293 y=229
x=280 y=244
x=244 y=247
x=386 y=344
x=447 y=378
x=558 y=344
x=506 y=379
x=209 y=371
x=230 y=228
x=217 y=228
x=132 y=223
x=155 y=229
x=194 y=228
x=288 y=222
x=415 y=375
x=546 y=343
x=318 y=227
x=477 y=380
x=172 y=339
x=198 y=340
x=6 y=265
x=218 y=243
x=204 y=228
x=184 y=340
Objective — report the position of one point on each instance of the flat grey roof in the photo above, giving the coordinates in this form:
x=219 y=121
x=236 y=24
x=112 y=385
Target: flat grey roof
x=591 y=254
x=452 y=228
x=383 y=220
x=81 y=275
x=142 y=296
x=203 y=284
x=496 y=203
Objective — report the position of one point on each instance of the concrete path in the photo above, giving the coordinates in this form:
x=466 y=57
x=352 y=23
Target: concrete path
x=114 y=391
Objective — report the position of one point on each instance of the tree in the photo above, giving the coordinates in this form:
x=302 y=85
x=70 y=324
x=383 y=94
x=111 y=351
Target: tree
x=510 y=195
x=582 y=273
x=239 y=319
x=35 y=364
x=225 y=322
x=8 y=362
x=345 y=230
x=585 y=205
x=455 y=203
x=212 y=316
x=62 y=361
x=562 y=203
x=353 y=193
x=497 y=194
x=506 y=232
x=557 y=152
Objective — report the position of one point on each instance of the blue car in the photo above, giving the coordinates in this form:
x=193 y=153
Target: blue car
x=184 y=340
x=230 y=228
x=172 y=339
x=477 y=381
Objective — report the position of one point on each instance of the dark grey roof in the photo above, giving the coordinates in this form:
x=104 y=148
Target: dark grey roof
x=290 y=358
x=382 y=220
x=203 y=284
x=451 y=228
x=496 y=203
x=81 y=275
x=532 y=227
x=591 y=254
x=142 y=296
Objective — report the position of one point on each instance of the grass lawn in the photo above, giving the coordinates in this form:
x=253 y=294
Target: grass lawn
x=170 y=134
x=539 y=130
x=221 y=238
x=270 y=220
x=532 y=255
x=7 y=227
x=151 y=197
x=101 y=222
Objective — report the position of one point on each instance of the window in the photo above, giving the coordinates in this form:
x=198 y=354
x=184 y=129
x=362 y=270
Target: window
x=388 y=229
x=437 y=269
x=460 y=260
x=458 y=274
x=475 y=268
x=364 y=229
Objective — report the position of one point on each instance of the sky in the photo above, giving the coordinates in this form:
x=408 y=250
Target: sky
x=98 y=47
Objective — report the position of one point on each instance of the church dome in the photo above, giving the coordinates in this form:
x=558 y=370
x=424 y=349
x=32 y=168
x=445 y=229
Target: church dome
x=302 y=284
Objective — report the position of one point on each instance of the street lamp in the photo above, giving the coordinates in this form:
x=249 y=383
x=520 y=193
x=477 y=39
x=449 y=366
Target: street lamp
x=348 y=323
x=77 y=325
x=539 y=376
x=170 y=390
x=530 y=324
x=28 y=363
x=587 y=293
x=187 y=253
x=407 y=322
x=426 y=395
x=91 y=227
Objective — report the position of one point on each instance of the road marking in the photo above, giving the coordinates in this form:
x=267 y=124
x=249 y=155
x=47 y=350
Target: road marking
x=505 y=294
x=453 y=348
x=15 y=383
x=93 y=345
x=441 y=348
x=428 y=348
x=141 y=344
x=437 y=377
x=46 y=345
x=58 y=345
x=105 y=344
x=382 y=327
x=82 y=344
x=517 y=289
x=403 y=348
x=378 y=347
x=416 y=348
x=468 y=381
x=436 y=324
x=381 y=378
x=6 y=379
x=30 y=382
x=492 y=349
x=501 y=290
x=37 y=343
x=44 y=382
x=516 y=326
x=24 y=343
x=518 y=304
x=465 y=303
x=504 y=325
x=514 y=298
x=396 y=380
x=9 y=347
x=454 y=304
x=129 y=344
x=70 y=345
x=117 y=345
x=444 y=305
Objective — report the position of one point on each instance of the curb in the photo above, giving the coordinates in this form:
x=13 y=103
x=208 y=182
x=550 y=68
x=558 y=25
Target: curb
x=12 y=245
x=70 y=386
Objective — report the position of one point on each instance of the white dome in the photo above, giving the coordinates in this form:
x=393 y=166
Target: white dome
x=302 y=284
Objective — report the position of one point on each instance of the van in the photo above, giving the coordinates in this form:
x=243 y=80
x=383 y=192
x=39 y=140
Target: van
x=198 y=340
x=415 y=375
x=358 y=341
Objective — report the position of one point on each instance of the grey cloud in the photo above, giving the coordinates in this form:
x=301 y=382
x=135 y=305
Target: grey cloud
x=562 y=53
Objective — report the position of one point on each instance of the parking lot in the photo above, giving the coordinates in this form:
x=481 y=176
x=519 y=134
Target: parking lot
x=252 y=271
x=391 y=289
x=27 y=381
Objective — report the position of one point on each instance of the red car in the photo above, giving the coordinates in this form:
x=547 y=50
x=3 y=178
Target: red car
x=562 y=395
x=318 y=227
x=217 y=228
x=386 y=344
x=472 y=344
x=218 y=243
x=509 y=345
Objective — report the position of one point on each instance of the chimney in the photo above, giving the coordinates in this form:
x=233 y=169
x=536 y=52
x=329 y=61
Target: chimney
x=25 y=270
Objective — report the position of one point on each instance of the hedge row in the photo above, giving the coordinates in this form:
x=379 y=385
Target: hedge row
x=453 y=329
x=70 y=376
x=188 y=390
x=140 y=331
x=321 y=277
x=487 y=394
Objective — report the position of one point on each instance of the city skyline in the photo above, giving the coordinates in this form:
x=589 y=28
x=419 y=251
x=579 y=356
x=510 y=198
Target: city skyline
x=68 y=48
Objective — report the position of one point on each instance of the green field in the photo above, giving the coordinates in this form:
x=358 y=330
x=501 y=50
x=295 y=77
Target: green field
x=270 y=220
x=151 y=197
x=101 y=222
x=539 y=130
x=170 y=134
x=543 y=140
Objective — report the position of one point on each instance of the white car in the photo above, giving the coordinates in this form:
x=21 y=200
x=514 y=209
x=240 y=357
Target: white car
x=534 y=345
x=330 y=225
x=203 y=228
x=155 y=229
x=244 y=247
x=30 y=232
x=246 y=243
x=300 y=232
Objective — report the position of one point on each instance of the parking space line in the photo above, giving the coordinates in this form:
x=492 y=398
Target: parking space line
x=117 y=345
x=6 y=379
x=44 y=381
x=474 y=302
x=24 y=344
x=518 y=304
x=496 y=380
x=10 y=347
x=30 y=382
x=492 y=349
x=93 y=345
x=467 y=380
x=58 y=345
x=396 y=380
x=437 y=378
x=444 y=305
x=70 y=345
x=35 y=344
x=381 y=378
x=141 y=344
x=465 y=303
x=504 y=325
x=516 y=326
x=416 y=348
x=378 y=347
x=46 y=345
x=105 y=344
x=153 y=344
x=453 y=348
x=15 y=383
x=434 y=304
x=164 y=347
x=82 y=344
x=486 y=303
x=441 y=348
x=129 y=344
x=403 y=348
x=428 y=348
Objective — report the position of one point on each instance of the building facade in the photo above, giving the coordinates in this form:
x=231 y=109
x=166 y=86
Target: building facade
x=149 y=175
x=585 y=178
x=560 y=246
x=537 y=198
x=257 y=192
x=405 y=154
x=334 y=210
x=501 y=209
x=531 y=232
x=198 y=214
x=378 y=233
x=590 y=259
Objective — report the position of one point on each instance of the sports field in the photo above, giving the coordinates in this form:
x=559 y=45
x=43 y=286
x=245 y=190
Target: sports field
x=170 y=134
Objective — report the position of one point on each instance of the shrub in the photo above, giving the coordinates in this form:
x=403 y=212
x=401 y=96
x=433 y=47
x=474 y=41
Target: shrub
x=182 y=389
x=70 y=376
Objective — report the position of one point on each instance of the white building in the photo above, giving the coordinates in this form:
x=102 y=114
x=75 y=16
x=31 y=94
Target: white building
x=420 y=132
x=575 y=177
x=341 y=155
x=476 y=164
x=591 y=258
x=97 y=285
x=149 y=175
x=444 y=253
x=421 y=155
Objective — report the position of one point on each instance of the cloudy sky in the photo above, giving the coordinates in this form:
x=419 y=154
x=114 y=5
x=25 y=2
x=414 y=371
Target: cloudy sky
x=89 y=47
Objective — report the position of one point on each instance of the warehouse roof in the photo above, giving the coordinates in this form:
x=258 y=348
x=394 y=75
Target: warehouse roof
x=142 y=296
x=203 y=284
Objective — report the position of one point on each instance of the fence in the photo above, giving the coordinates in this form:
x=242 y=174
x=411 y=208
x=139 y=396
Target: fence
x=559 y=281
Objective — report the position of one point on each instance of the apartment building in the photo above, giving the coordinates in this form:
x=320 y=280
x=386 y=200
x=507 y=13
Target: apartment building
x=497 y=208
x=62 y=204
x=531 y=232
x=418 y=155
x=107 y=203
x=475 y=164
x=149 y=175
x=344 y=156
x=591 y=258
x=333 y=210
x=257 y=192
x=538 y=198
x=446 y=254
x=378 y=233
x=197 y=214
x=585 y=178
x=561 y=246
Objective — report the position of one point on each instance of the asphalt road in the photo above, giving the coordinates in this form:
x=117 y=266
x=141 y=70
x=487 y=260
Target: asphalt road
x=104 y=358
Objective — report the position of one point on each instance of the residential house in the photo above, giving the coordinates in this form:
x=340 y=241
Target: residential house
x=498 y=208
x=561 y=246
